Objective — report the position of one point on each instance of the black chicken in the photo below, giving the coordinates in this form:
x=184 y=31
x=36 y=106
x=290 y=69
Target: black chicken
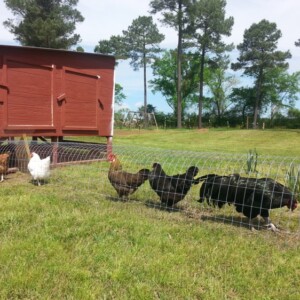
x=125 y=183
x=217 y=189
x=251 y=196
x=257 y=196
x=171 y=189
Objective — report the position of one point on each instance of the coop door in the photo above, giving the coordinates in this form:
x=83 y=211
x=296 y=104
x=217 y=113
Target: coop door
x=29 y=102
x=79 y=101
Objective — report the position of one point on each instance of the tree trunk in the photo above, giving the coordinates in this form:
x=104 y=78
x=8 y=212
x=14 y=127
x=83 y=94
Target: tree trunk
x=219 y=114
x=179 y=59
x=145 y=93
x=201 y=77
x=256 y=111
x=257 y=101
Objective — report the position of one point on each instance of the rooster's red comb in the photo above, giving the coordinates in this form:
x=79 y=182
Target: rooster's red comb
x=111 y=157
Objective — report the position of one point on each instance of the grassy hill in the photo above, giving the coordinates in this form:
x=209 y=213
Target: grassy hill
x=267 y=142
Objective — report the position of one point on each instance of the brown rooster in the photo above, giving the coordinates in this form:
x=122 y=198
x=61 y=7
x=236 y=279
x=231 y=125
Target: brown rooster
x=3 y=164
x=125 y=183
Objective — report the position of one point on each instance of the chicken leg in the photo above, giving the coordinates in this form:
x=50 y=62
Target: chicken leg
x=270 y=225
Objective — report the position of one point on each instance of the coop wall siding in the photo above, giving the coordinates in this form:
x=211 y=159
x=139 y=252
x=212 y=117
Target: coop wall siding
x=55 y=93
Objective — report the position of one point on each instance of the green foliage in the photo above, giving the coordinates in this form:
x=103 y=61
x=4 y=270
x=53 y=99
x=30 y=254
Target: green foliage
x=252 y=159
x=258 y=55
x=171 y=10
x=142 y=40
x=119 y=95
x=220 y=84
x=294 y=113
x=209 y=24
x=164 y=70
x=258 y=49
x=243 y=99
x=114 y=46
x=293 y=179
x=139 y=43
x=280 y=88
x=175 y=14
x=279 y=92
x=79 y=49
x=149 y=109
x=207 y=27
x=120 y=116
x=48 y=24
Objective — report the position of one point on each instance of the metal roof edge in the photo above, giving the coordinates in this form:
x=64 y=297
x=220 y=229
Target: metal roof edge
x=56 y=50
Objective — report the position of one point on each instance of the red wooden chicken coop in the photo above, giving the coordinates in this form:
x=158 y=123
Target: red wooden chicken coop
x=50 y=94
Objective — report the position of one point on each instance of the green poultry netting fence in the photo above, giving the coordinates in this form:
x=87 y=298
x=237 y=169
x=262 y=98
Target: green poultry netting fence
x=81 y=171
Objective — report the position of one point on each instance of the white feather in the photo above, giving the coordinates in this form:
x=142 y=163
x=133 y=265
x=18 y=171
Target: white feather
x=39 y=168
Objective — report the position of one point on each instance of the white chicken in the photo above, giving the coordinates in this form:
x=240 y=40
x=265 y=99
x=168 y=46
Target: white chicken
x=39 y=168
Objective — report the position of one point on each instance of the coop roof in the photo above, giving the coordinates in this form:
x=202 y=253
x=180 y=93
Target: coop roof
x=54 y=50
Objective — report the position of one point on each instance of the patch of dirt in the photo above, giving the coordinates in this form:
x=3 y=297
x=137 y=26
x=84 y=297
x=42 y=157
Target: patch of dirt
x=203 y=130
x=16 y=178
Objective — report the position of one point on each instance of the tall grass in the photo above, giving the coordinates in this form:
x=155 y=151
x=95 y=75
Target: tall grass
x=71 y=239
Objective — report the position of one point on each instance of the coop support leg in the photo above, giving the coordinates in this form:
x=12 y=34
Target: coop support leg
x=54 y=141
x=109 y=145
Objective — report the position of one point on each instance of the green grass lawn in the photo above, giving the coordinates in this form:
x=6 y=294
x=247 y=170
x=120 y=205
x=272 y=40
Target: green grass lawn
x=71 y=239
x=267 y=142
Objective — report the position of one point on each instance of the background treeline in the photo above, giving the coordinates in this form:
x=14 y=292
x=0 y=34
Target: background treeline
x=231 y=119
x=200 y=80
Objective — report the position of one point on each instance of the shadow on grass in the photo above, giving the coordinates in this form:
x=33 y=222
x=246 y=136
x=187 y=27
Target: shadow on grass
x=209 y=215
x=117 y=199
x=148 y=203
x=163 y=207
x=42 y=182
x=236 y=221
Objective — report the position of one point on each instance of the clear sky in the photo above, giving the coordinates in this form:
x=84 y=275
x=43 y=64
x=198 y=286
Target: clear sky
x=106 y=18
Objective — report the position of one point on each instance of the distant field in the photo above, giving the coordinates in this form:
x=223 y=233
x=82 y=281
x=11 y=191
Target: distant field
x=266 y=142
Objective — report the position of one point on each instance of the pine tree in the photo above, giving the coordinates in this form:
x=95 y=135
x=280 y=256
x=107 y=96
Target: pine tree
x=44 y=23
x=258 y=55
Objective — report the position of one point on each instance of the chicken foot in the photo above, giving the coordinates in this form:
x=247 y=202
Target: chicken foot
x=270 y=225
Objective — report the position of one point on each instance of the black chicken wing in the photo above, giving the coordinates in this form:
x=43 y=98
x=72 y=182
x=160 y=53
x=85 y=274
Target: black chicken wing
x=171 y=189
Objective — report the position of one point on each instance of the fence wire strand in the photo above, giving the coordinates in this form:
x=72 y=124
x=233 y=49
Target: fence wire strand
x=82 y=170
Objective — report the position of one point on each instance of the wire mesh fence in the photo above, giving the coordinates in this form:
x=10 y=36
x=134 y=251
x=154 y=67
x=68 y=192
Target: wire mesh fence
x=238 y=188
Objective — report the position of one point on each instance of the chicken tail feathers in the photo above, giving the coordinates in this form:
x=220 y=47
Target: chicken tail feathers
x=204 y=177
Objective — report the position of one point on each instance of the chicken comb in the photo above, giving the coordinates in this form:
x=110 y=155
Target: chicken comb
x=111 y=157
